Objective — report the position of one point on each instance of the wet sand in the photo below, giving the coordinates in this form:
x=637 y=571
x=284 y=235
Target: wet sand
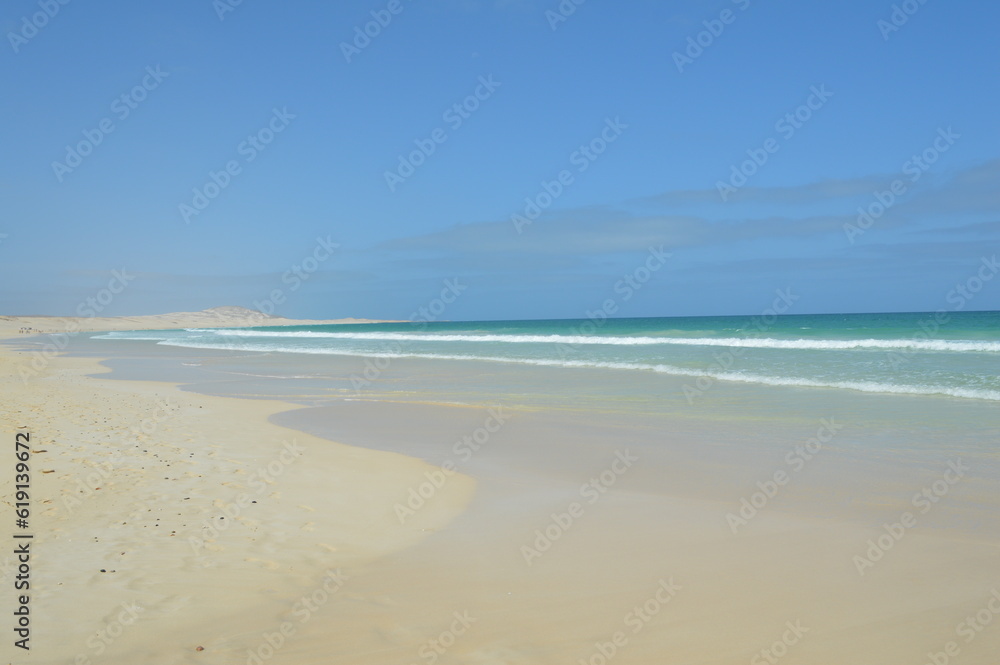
x=410 y=531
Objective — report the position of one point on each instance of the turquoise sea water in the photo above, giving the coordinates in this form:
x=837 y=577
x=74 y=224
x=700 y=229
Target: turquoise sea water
x=954 y=354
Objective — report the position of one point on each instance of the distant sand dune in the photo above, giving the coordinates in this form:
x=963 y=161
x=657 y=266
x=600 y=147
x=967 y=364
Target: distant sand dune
x=216 y=317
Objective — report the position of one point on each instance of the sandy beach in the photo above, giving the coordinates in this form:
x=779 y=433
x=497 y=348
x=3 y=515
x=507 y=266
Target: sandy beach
x=172 y=526
x=194 y=513
x=500 y=332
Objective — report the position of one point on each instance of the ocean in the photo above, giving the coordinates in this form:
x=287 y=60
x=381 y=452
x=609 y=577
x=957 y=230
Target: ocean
x=952 y=355
x=711 y=404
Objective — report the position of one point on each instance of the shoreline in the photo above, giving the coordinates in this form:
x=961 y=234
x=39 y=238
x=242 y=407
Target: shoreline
x=512 y=542
x=116 y=462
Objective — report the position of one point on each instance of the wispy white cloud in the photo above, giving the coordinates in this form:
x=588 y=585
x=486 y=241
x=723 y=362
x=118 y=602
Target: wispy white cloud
x=587 y=232
x=806 y=193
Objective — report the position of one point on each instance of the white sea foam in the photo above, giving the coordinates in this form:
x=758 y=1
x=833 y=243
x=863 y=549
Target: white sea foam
x=740 y=377
x=128 y=336
x=955 y=346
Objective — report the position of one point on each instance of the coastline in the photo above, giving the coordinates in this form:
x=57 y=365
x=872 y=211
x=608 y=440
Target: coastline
x=135 y=485
x=497 y=543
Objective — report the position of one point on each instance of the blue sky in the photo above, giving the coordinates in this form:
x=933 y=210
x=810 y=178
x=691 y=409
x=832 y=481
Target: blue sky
x=310 y=128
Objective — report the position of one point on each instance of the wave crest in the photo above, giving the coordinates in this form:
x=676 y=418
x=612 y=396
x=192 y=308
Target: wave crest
x=738 y=377
x=954 y=346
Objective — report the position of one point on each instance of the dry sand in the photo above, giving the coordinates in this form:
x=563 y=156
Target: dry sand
x=193 y=508
x=157 y=487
